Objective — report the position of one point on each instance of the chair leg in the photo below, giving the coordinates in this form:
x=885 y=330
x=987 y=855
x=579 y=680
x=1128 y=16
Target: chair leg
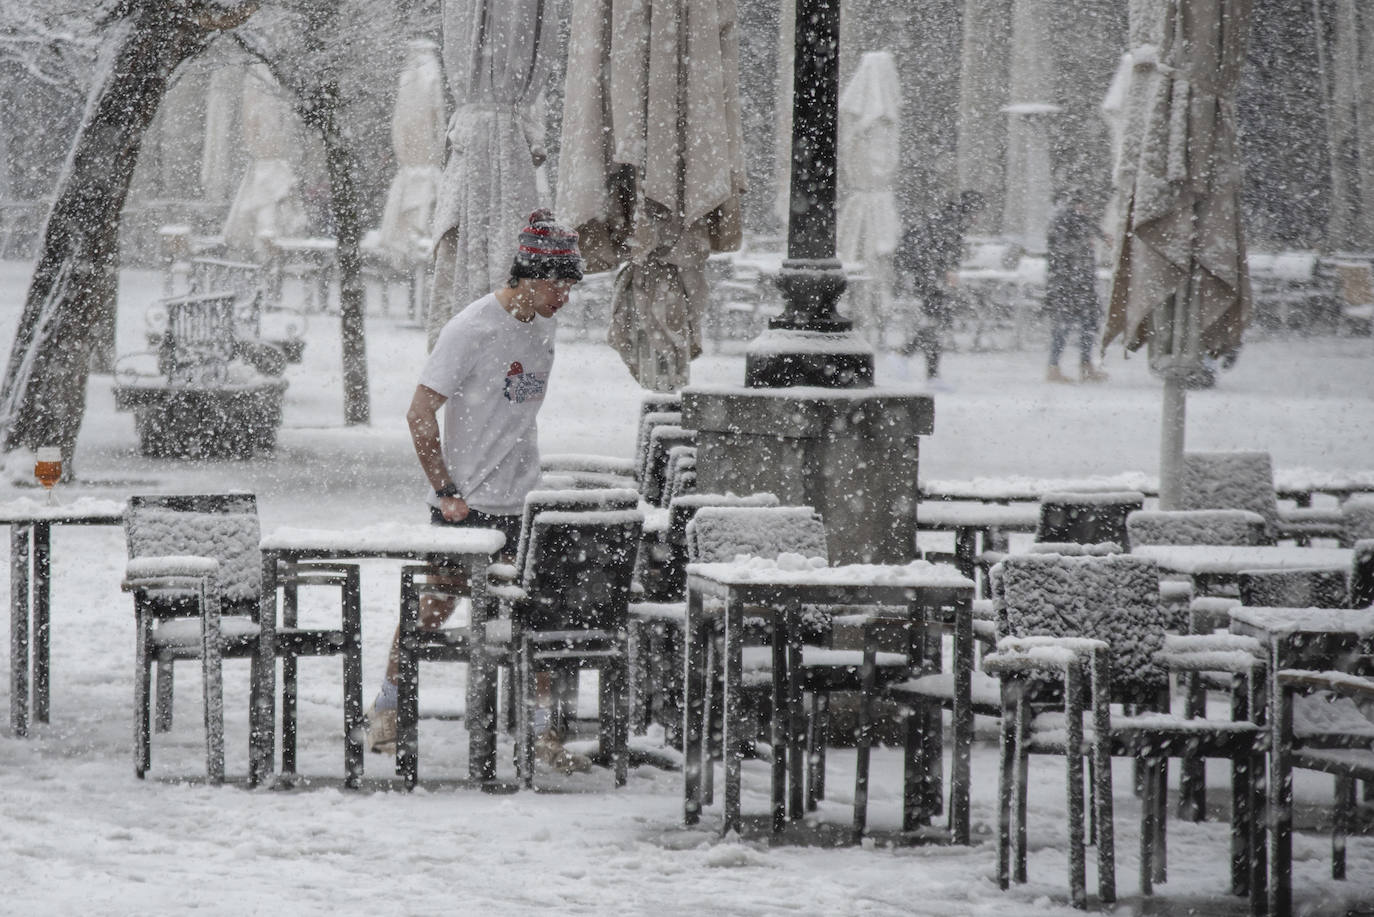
x=1005 y=780
x=621 y=704
x=288 y=713
x=1022 y=789
x=1192 y=775
x=529 y=699
x=163 y=723
x=817 y=733
x=867 y=678
x=213 y=681
x=142 y=693
x=1342 y=824
x=1149 y=820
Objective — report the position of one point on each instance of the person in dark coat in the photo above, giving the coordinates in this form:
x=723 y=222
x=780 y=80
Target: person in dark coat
x=924 y=264
x=1071 y=287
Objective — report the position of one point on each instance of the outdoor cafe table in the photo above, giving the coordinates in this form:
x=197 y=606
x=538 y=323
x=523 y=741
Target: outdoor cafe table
x=1211 y=566
x=1301 y=638
x=469 y=549
x=31 y=523
x=970 y=520
x=918 y=589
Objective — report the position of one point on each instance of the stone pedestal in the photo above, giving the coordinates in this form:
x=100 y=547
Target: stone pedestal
x=850 y=453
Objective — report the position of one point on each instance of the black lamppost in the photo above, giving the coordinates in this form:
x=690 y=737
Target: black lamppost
x=793 y=350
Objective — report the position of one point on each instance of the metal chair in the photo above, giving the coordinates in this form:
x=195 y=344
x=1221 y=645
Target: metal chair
x=1320 y=725
x=1245 y=480
x=1114 y=599
x=570 y=614
x=195 y=572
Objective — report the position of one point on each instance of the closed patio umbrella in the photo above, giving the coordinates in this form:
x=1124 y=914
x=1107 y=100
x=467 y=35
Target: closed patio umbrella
x=496 y=59
x=1180 y=283
x=868 y=227
x=651 y=166
x=268 y=201
x=417 y=137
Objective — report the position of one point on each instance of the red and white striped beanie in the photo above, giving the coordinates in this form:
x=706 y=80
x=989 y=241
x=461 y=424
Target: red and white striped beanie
x=548 y=250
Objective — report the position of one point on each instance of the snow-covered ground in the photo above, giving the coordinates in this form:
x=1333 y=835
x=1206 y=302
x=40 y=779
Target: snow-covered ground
x=81 y=834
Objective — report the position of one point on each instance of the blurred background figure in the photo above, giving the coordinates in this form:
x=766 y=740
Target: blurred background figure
x=925 y=263
x=1071 y=286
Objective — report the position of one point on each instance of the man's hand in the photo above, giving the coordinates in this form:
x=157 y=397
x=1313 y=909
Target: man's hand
x=454 y=509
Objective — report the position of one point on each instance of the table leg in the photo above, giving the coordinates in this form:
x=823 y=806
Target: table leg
x=42 y=592
x=693 y=689
x=780 y=722
x=796 y=716
x=867 y=680
x=19 y=629
x=966 y=550
x=963 y=721
x=734 y=708
x=290 y=610
x=263 y=688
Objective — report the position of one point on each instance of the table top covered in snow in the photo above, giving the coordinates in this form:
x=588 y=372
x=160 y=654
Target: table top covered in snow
x=386 y=539
x=940 y=515
x=794 y=573
x=81 y=511
x=1229 y=559
x=1271 y=622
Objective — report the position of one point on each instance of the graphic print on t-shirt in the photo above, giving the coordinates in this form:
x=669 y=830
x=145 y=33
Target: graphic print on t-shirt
x=523 y=387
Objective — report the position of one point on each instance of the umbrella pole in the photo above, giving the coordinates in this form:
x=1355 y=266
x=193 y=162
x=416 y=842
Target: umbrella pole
x=1171 y=441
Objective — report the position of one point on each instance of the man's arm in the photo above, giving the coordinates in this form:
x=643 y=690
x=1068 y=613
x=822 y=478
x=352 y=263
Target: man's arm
x=423 y=420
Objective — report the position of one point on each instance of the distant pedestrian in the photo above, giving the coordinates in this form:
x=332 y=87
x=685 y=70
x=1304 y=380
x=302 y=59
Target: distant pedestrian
x=1071 y=287
x=925 y=263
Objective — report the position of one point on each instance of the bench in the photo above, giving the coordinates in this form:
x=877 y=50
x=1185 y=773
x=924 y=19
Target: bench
x=195 y=397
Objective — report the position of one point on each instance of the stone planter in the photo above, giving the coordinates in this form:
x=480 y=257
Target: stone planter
x=232 y=420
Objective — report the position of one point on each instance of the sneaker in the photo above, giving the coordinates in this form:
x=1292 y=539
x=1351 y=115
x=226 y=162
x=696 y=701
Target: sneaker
x=549 y=751
x=381 y=730
x=1054 y=375
x=1086 y=373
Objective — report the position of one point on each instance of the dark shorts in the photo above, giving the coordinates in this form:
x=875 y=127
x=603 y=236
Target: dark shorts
x=506 y=525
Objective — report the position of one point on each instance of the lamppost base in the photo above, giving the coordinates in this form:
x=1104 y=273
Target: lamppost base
x=779 y=358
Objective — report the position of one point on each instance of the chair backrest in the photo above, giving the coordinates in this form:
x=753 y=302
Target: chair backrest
x=648 y=420
x=222 y=526
x=1362 y=574
x=1112 y=597
x=1358 y=513
x=1196 y=526
x=198 y=342
x=1299 y=588
x=584 y=500
x=662 y=439
x=1231 y=480
x=681 y=461
x=716 y=534
x=580 y=565
x=1087 y=518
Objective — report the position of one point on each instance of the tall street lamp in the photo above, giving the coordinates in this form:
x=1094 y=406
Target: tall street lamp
x=809 y=425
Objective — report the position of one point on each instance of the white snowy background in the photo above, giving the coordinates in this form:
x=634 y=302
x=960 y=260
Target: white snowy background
x=79 y=834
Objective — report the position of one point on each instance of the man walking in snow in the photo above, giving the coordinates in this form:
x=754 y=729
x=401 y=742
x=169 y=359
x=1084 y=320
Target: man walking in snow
x=488 y=372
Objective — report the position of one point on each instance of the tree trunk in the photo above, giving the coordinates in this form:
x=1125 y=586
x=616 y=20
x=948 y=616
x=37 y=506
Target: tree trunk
x=43 y=398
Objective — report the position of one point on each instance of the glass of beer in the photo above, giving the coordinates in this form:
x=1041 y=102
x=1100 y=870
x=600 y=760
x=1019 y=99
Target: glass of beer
x=47 y=468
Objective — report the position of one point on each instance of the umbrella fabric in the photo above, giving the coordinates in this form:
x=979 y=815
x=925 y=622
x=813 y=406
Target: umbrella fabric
x=867 y=228
x=1179 y=243
x=417 y=137
x=496 y=59
x=652 y=168
x=267 y=202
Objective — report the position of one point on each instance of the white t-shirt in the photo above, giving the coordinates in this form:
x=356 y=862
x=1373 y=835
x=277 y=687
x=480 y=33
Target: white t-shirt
x=494 y=371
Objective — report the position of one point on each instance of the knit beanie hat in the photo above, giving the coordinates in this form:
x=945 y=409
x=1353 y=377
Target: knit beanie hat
x=548 y=250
